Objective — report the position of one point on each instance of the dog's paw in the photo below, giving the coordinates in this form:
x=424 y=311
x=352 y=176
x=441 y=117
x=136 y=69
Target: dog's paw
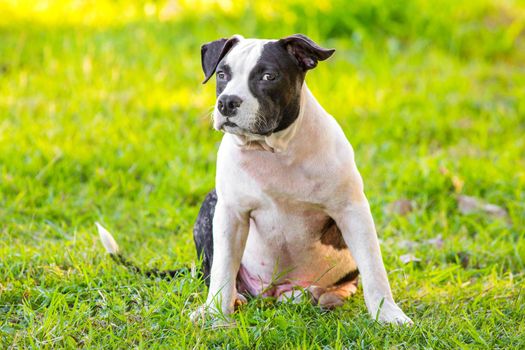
x=218 y=318
x=331 y=300
x=239 y=301
x=211 y=317
x=390 y=313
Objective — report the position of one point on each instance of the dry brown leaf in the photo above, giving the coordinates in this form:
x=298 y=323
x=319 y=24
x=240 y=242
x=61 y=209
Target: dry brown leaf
x=456 y=181
x=469 y=205
x=400 y=207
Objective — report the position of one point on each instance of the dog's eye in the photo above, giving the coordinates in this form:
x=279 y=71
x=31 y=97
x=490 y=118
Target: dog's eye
x=221 y=75
x=268 y=76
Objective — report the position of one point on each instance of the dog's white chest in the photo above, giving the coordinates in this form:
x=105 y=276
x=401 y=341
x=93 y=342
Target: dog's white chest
x=287 y=198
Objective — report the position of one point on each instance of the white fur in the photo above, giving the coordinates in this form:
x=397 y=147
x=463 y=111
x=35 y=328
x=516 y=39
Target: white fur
x=275 y=193
x=107 y=239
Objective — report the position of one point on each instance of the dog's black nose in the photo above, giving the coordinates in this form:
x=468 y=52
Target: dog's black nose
x=228 y=104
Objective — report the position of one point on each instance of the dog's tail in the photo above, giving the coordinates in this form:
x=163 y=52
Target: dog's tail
x=112 y=248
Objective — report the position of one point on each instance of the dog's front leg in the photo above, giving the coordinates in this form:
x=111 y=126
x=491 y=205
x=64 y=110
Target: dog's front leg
x=230 y=230
x=357 y=226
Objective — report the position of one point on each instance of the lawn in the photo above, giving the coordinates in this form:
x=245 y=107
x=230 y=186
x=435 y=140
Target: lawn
x=103 y=117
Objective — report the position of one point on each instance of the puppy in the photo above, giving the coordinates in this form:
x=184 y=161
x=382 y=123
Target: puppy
x=288 y=213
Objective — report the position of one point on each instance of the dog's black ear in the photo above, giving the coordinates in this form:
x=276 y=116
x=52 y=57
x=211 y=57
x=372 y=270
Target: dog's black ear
x=305 y=50
x=213 y=52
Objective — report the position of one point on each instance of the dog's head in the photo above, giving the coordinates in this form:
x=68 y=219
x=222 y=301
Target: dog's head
x=259 y=81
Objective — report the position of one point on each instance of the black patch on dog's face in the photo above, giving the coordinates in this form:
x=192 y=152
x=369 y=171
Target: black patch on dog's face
x=276 y=82
x=223 y=76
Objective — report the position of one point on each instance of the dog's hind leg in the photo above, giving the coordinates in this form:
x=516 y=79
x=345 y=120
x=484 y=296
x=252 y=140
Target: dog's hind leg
x=337 y=296
x=332 y=297
x=203 y=237
x=203 y=234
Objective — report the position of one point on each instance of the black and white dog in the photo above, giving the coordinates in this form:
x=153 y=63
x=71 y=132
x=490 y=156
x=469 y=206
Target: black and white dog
x=288 y=215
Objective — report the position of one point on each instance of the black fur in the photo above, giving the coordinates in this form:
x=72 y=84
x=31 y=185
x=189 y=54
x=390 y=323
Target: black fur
x=164 y=274
x=305 y=51
x=212 y=53
x=352 y=276
x=203 y=234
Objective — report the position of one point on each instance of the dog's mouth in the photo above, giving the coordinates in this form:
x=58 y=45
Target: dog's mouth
x=233 y=128
x=224 y=123
x=230 y=124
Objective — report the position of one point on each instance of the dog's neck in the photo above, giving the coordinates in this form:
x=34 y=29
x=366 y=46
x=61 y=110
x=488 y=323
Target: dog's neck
x=280 y=141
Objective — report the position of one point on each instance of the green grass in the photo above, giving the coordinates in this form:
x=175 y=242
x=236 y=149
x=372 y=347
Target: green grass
x=103 y=118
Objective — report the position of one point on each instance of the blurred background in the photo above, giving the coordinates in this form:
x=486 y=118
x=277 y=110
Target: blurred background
x=103 y=117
